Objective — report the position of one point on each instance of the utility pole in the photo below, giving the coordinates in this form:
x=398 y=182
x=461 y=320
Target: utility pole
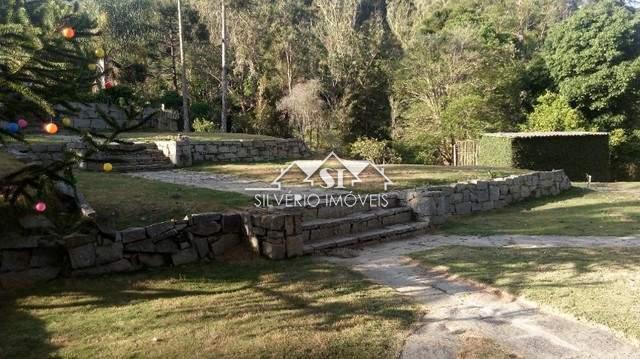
x=185 y=86
x=223 y=115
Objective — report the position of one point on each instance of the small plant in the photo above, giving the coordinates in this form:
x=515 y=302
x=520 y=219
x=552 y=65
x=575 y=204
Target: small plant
x=374 y=150
x=203 y=125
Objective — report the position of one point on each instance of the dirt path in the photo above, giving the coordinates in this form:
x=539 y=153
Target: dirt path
x=466 y=320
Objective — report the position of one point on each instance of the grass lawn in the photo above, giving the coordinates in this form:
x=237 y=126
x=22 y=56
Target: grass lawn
x=122 y=201
x=599 y=285
x=292 y=309
x=403 y=176
x=125 y=201
x=578 y=212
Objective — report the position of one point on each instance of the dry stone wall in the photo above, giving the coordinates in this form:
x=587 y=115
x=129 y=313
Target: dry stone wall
x=435 y=203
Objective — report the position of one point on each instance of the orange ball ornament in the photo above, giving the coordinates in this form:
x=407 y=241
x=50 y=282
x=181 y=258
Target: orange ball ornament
x=68 y=33
x=51 y=128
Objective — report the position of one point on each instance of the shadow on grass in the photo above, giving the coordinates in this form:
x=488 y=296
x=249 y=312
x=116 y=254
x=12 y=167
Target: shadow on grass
x=579 y=211
x=319 y=297
x=520 y=268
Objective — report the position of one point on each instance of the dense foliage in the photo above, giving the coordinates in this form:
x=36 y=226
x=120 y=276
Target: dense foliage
x=422 y=73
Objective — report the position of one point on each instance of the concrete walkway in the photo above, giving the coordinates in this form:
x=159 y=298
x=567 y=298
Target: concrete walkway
x=460 y=312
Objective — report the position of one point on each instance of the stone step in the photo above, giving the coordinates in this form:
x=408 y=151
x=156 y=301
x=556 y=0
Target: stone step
x=340 y=210
x=386 y=233
x=357 y=222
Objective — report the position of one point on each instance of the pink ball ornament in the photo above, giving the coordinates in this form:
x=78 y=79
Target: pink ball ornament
x=23 y=123
x=40 y=207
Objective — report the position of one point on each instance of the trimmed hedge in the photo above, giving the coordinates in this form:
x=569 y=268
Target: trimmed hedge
x=577 y=154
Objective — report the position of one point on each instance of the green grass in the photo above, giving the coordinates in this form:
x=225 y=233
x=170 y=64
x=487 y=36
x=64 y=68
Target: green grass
x=122 y=201
x=578 y=212
x=403 y=176
x=265 y=309
x=599 y=285
x=125 y=201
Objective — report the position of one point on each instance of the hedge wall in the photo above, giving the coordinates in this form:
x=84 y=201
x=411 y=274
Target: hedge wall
x=577 y=154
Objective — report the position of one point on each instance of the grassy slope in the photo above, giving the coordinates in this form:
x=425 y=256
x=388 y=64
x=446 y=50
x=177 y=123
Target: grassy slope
x=577 y=212
x=155 y=135
x=127 y=201
x=599 y=285
x=293 y=309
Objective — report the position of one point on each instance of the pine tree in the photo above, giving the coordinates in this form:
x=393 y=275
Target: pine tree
x=47 y=59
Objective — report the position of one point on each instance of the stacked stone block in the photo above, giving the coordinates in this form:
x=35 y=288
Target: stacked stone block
x=276 y=235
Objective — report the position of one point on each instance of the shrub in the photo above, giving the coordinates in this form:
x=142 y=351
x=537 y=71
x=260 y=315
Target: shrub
x=203 y=125
x=625 y=154
x=576 y=153
x=553 y=113
x=376 y=151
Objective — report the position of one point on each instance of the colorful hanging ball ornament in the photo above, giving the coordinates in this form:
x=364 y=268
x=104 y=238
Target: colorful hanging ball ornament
x=51 y=128
x=92 y=67
x=40 y=207
x=23 y=123
x=13 y=127
x=100 y=53
x=108 y=85
x=107 y=167
x=66 y=122
x=68 y=33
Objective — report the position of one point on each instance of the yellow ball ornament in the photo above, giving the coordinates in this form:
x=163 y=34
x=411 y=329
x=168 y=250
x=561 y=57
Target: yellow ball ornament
x=66 y=121
x=100 y=53
x=107 y=167
x=92 y=67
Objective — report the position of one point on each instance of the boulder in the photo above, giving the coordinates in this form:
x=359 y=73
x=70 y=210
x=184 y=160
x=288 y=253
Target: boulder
x=82 y=256
x=185 y=256
x=15 y=260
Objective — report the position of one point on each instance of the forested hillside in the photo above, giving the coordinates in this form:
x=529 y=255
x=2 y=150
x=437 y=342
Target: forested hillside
x=420 y=74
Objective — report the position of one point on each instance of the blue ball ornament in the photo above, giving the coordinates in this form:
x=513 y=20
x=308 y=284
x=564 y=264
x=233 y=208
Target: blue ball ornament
x=13 y=127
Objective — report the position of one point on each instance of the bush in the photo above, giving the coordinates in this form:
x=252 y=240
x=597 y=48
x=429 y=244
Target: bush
x=553 y=113
x=577 y=154
x=625 y=158
x=203 y=125
x=374 y=150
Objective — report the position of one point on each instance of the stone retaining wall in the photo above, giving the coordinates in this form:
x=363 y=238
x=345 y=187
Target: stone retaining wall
x=25 y=261
x=435 y=203
x=184 y=152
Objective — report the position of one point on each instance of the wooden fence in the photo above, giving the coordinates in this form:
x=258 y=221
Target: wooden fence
x=465 y=153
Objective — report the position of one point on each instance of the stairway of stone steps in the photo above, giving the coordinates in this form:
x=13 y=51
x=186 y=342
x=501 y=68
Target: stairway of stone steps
x=326 y=228
x=129 y=158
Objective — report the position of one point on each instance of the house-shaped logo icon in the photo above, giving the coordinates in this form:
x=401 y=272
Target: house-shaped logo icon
x=332 y=172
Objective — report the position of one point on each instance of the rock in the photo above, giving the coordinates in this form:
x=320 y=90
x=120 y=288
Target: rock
x=77 y=240
x=47 y=257
x=82 y=256
x=232 y=223
x=219 y=245
x=202 y=246
x=294 y=246
x=204 y=218
x=18 y=242
x=205 y=229
x=36 y=222
x=15 y=260
x=168 y=234
x=109 y=253
x=185 y=256
x=28 y=278
x=144 y=246
x=133 y=234
x=152 y=260
x=155 y=230
x=166 y=246
x=273 y=250
x=123 y=265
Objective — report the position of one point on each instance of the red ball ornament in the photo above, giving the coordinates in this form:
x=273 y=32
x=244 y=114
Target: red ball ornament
x=68 y=33
x=40 y=207
x=22 y=123
x=108 y=85
x=51 y=128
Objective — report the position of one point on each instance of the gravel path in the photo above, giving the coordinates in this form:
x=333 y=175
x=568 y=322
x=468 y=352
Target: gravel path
x=460 y=312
